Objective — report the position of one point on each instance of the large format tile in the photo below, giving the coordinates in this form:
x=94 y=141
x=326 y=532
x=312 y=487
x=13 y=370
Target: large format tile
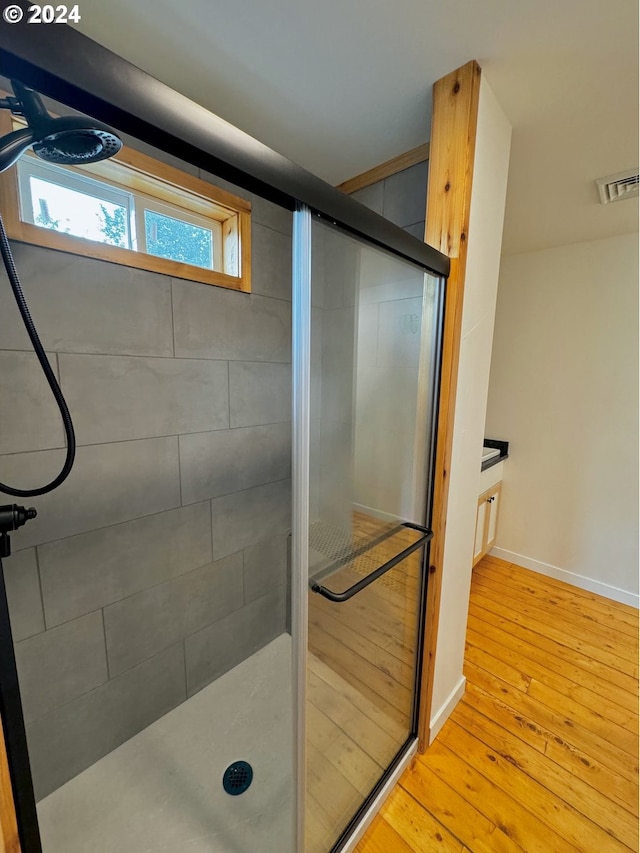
x=270 y=262
x=115 y=398
x=371 y=196
x=85 y=572
x=335 y=497
x=30 y=416
x=62 y=664
x=405 y=195
x=83 y=305
x=69 y=739
x=271 y=215
x=23 y=594
x=221 y=646
x=259 y=393
x=211 y=322
x=246 y=518
x=109 y=483
x=143 y=624
x=416 y=230
x=338 y=353
x=226 y=461
x=265 y=567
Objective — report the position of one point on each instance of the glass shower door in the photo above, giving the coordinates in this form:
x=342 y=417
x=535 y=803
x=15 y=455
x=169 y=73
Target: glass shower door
x=374 y=329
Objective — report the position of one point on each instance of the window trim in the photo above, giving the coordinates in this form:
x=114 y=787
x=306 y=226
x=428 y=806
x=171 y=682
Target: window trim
x=138 y=174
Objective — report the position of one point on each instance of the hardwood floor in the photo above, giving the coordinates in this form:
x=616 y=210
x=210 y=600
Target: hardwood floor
x=541 y=755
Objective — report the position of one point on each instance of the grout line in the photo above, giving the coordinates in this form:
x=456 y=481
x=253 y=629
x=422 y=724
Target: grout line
x=244 y=579
x=210 y=502
x=106 y=651
x=146 y=355
x=229 y=393
x=44 y=616
x=184 y=662
x=180 y=474
x=146 y=438
x=173 y=325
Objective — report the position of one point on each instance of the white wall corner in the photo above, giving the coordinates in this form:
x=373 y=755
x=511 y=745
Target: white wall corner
x=444 y=712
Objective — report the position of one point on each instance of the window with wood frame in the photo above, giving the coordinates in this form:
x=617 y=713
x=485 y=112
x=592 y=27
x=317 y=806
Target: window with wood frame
x=132 y=210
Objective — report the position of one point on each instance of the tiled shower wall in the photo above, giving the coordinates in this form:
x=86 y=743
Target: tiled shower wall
x=389 y=322
x=161 y=562
x=334 y=279
x=402 y=198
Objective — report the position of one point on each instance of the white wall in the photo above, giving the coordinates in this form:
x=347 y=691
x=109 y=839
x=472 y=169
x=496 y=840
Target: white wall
x=564 y=392
x=483 y=262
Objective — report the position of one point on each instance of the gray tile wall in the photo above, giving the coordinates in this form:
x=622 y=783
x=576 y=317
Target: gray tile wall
x=161 y=562
x=402 y=198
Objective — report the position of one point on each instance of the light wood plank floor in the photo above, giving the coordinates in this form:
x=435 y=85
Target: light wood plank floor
x=541 y=755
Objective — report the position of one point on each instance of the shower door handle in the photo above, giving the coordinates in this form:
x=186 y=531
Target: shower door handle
x=339 y=597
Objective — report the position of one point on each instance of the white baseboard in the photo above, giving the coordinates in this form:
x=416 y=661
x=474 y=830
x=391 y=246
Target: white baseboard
x=441 y=716
x=582 y=582
x=376 y=513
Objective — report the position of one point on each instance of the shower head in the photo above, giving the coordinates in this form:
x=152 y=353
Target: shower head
x=68 y=140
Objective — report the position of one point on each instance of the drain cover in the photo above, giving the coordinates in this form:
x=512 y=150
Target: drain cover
x=237 y=778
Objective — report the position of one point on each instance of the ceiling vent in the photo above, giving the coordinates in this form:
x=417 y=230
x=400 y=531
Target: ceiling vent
x=617 y=187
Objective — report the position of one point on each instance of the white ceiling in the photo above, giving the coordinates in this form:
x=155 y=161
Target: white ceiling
x=342 y=85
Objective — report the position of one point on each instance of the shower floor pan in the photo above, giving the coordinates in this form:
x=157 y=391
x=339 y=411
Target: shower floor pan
x=161 y=791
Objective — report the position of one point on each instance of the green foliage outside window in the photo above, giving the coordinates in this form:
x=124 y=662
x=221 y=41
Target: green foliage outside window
x=177 y=240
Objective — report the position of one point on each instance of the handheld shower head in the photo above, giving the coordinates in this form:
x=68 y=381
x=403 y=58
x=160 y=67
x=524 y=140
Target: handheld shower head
x=68 y=140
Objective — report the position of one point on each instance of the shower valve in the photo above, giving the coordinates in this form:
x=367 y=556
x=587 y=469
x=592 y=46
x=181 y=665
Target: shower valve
x=12 y=517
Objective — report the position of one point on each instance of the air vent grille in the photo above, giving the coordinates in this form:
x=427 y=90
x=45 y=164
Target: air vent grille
x=618 y=187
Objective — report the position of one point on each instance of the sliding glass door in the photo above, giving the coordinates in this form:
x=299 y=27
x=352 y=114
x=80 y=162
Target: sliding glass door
x=374 y=322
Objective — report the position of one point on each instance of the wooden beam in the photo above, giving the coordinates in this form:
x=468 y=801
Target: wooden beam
x=453 y=137
x=385 y=170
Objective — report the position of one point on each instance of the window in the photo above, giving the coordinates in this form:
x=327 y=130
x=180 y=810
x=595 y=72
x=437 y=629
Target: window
x=131 y=210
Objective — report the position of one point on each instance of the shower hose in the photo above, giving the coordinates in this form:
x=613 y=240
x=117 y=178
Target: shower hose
x=21 y=302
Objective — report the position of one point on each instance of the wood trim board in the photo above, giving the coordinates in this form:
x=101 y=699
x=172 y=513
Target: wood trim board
x=386 y=169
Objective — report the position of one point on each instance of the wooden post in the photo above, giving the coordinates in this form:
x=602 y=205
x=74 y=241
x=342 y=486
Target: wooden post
x=452 y=151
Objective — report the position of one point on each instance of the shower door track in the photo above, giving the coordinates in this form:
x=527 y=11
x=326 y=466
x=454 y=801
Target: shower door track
x=369 y=809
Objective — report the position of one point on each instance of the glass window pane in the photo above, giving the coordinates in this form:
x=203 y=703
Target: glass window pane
x=178 y=240
x=77 y=213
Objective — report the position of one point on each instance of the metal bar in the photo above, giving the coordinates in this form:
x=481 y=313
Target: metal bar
x=64 y=64
x=301 y=393
x=339 y=597
x=371 y=806
x=15 y=735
